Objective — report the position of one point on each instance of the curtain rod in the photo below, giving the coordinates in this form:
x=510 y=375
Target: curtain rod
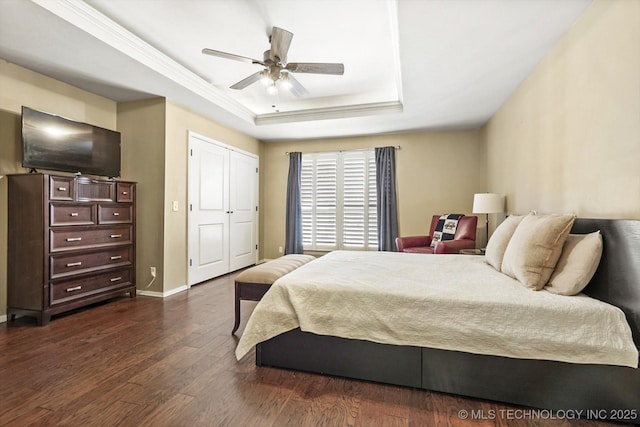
x=286 y=153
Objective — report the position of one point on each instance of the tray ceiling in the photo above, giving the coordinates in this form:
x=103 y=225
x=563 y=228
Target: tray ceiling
x=409 y=65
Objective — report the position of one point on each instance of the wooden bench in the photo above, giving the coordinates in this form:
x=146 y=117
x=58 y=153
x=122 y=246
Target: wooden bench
x=254 y=282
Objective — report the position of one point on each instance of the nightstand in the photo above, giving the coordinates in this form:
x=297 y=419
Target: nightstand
x=471 y=251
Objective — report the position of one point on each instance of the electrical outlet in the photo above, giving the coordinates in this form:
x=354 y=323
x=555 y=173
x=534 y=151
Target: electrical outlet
x=279 y=249
x=152 y=270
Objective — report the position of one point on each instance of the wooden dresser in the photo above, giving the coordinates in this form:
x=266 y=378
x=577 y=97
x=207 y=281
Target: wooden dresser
x=71 y=242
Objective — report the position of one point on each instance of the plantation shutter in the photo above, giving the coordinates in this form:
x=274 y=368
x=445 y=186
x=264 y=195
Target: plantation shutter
x=320 y=202
x=372 y=229
x=338 y=195
x=307 y=201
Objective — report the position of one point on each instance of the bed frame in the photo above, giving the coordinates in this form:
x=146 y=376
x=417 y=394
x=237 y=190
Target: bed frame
x=607 y=392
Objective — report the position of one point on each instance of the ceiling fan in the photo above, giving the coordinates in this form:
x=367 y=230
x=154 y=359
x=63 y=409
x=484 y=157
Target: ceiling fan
x=276 y=68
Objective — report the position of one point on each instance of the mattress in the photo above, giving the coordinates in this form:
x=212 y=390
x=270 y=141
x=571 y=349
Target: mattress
x=452 y=302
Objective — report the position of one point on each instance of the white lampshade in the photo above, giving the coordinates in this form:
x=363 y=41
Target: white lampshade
x=488 y=203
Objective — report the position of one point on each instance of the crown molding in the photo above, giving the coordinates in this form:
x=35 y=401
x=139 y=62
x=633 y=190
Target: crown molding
x=328 y=113
x=88 y=19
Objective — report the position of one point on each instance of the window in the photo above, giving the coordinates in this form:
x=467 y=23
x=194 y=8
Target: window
x=338 y=196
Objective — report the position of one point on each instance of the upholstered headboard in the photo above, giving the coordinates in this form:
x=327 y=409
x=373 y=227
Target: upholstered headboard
x=617 y=280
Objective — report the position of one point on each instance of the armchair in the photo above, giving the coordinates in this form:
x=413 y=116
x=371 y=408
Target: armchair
x=465 y=238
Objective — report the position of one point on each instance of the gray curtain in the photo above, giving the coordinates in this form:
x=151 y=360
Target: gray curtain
x=293 y=234
x=386 y=193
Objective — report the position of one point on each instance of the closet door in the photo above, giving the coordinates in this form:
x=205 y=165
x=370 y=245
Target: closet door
x=243 y=210
x=209 y=210
x=223 y=209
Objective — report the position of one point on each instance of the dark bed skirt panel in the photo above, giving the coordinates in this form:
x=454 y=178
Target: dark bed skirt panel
x=607 y=391
x=303 y=351
x=536 y=383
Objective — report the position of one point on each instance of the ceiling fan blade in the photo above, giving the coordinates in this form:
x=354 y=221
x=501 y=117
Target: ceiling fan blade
x=280 y=42
x=315 y=68
x=231 y=56
x=248 y=81
x=296 y=88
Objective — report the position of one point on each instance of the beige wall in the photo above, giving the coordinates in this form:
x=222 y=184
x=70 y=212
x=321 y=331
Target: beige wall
x=154 y=154
x=568 y=139
x=179 y=121
x=18 y=87
x=143 y=159
x=437 y=172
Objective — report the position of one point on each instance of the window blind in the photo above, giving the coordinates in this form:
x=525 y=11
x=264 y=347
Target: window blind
x=338 y=196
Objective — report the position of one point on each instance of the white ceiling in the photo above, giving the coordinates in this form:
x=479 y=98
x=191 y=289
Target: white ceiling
x=410 y=65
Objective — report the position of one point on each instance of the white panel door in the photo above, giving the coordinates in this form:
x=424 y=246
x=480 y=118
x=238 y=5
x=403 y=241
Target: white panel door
x=208 y=210
x=243 y=207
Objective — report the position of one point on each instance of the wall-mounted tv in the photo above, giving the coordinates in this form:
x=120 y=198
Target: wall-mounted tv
x=54 y=143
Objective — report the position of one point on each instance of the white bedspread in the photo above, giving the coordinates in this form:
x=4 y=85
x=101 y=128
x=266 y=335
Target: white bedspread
x=447 y=302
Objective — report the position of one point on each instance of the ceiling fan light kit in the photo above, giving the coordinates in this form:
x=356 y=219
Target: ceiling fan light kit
x=272 y=89
x=277 y=72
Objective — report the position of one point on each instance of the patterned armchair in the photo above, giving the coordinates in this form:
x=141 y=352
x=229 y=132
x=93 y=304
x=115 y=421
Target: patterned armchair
x=464 y=238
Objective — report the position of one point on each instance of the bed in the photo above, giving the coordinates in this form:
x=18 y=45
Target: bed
x=606 y=388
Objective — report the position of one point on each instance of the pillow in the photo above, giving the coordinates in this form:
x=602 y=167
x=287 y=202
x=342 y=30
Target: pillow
x=497 y=244
x=445 y=228
x=534 y=248
x=578 y=263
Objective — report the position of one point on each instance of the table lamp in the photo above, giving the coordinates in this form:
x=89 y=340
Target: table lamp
x=486 y=203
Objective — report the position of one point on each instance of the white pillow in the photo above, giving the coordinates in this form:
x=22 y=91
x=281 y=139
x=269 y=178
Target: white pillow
x=535 y=247
x=497 y=244
x=578 y=263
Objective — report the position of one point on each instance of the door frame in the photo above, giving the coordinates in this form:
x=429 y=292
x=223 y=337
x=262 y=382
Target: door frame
x=190 y=135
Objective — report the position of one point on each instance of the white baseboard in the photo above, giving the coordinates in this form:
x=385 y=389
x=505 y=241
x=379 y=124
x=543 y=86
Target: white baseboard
x=175 y=290
x=156 y=294
x=3 y=318
x=149 y=294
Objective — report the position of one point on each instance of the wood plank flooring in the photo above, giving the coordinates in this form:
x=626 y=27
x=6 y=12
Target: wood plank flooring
x=154 y=362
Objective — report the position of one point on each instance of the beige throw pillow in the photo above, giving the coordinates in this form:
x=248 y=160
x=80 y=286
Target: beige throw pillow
x=499 y=240
x=535 y=247
x=578 y=263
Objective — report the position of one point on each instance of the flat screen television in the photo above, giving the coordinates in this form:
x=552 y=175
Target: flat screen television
x=54 y=143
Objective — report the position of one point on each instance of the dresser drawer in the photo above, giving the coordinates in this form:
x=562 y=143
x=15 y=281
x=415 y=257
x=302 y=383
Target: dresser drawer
x=69 y=290
x=68 y=239
x=63 y=265
x=95 y=190
x=111 y=213
x=72 y=214
x=61 y=188
x=124 y=191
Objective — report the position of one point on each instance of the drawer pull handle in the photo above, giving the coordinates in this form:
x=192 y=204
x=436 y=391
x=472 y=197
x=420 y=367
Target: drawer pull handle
x=75 y=288
x=73 y=239
x=116 y=214
x=124 y=193
x=115 y=279
x=116 y=236
x=74 y=264
x=113 y=258
x=74 y=213
x=62 y=188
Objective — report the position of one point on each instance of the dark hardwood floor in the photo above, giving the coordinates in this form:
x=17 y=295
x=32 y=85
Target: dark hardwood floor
x=153 y=362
